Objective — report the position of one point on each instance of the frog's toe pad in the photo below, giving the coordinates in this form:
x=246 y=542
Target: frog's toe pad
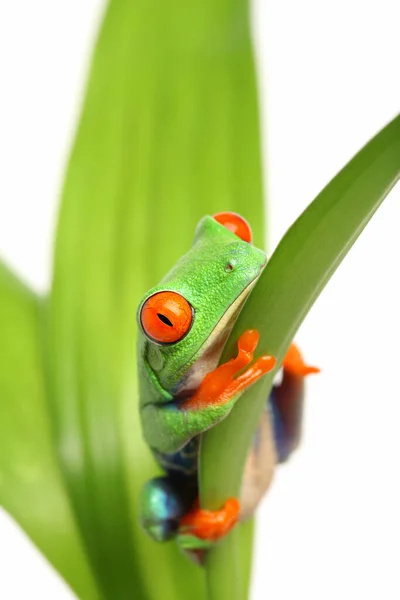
x=199 y=528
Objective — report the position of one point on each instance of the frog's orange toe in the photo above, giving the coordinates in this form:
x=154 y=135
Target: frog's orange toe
x=294 y=364
x=264 y=364
x=248 y=341
x=211 y=525
x=309 y=370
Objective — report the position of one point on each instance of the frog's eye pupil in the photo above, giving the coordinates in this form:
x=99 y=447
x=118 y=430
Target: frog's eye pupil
x=164 y=319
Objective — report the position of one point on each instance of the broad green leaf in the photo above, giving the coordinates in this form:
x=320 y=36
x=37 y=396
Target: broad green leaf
x=169 y=132
x=31 y=487
x=300 y=267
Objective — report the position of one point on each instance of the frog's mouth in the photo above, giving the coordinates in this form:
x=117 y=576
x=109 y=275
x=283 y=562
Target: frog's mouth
x=208 y=355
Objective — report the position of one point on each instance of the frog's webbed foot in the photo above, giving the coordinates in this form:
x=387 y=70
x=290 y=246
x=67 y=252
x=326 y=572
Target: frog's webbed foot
x=221 y=385
x=199 y=529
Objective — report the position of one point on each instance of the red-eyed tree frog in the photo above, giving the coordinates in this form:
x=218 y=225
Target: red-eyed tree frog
x=184 y=323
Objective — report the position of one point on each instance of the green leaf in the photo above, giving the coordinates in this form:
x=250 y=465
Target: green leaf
x=31 y=487
x=169 y=132
x=300 y=267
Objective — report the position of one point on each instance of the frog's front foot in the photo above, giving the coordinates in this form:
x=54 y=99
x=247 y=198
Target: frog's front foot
x=221 y=385
x=199 y=529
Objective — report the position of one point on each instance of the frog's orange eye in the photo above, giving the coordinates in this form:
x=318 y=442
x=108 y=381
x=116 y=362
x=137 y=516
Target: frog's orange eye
x=166 y=317
x=235 y=223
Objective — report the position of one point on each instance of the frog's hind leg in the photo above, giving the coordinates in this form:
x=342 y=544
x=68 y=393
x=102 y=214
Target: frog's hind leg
x=163 y=503
x=286 y=403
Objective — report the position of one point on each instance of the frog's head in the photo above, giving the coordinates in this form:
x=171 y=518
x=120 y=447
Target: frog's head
x=187 y=318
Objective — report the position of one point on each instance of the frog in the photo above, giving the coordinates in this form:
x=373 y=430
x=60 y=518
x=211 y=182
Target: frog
x=184 y=323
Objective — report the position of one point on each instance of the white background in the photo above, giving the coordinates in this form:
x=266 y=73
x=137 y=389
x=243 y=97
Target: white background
x=330 y=528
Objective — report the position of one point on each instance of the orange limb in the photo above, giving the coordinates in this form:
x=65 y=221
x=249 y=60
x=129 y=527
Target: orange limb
x=220 y=386
x=211 y=525
x=294 y=364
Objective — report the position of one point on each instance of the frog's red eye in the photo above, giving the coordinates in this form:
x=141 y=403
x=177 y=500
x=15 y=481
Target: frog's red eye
x=166 y=317
x=235 y=223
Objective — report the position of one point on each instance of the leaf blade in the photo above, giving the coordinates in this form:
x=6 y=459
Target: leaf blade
x=158 y=146
x=300 y=267
x=31 y=487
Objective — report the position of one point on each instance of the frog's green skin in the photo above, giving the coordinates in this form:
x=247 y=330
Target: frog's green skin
x=215 y=276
